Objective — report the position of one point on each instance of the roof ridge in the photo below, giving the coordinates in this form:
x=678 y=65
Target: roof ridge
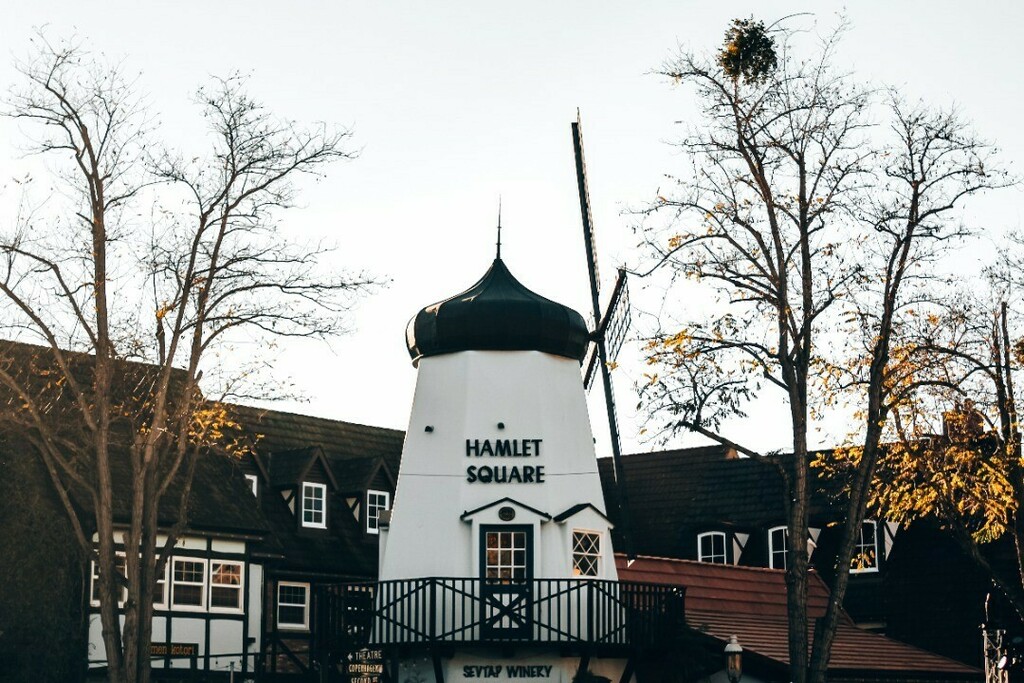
x=311 y=417
x=714 y=566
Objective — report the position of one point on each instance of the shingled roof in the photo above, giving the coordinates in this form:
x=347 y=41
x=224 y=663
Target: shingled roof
x=276 y=431
x=355 y=455
x=219 y=500
x=677 y=491
x=750 y=603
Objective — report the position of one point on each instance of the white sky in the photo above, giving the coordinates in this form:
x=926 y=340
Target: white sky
x=454 y=103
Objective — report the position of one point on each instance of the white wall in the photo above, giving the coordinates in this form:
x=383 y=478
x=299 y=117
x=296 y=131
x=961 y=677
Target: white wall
x=227 y=639
x=464 y=396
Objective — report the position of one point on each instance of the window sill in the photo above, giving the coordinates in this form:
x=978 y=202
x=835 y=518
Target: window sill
x=297 y=628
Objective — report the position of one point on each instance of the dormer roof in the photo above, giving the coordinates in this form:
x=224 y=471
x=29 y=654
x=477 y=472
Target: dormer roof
x=292 y=467
x=469 y=514
x=576 y=509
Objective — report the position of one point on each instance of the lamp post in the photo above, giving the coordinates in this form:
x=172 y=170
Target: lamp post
x=733 y=660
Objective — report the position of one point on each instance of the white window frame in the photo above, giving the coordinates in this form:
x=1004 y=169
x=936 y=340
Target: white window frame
x=597 y=557
x=201 y=607
x=772 y=550
x=254 y=483
x=165 y=595
x=373 y=511
x=240 y=587
x=285 y=626
x=95 y=576
x=322 y=524
x=710 y=558
x=860 y=547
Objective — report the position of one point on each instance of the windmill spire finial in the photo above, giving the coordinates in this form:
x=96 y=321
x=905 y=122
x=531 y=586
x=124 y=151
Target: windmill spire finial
x=499 y=226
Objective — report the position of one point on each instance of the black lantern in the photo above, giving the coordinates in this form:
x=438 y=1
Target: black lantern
x=733 y=660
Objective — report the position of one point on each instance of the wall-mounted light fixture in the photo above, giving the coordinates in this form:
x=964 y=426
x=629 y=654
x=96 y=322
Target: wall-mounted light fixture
x=733 y=660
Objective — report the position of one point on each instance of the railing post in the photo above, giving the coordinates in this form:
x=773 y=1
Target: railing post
x=432 y=612
x=590 y=610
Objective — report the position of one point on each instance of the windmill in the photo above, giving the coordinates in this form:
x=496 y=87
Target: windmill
x=610 y=327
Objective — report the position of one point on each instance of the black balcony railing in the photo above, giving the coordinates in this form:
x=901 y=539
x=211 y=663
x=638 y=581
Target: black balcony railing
x=431 y=611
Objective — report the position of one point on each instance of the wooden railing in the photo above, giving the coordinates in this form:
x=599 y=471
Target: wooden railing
x=436 y=610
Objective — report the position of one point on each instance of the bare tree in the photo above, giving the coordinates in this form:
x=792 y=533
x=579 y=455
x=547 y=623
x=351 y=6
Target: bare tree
x=777 y=158
x=145 y=263
x=929 y=164
x=803 y=223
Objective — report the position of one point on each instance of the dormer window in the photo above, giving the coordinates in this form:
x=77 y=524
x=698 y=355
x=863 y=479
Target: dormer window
x=778 y=547
x=865 y=552
x=711 y=547
x=376 y=503
x=314 y=505
x=586 y=553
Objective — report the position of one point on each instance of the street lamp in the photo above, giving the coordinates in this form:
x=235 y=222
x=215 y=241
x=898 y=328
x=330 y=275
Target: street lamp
x=733 y=660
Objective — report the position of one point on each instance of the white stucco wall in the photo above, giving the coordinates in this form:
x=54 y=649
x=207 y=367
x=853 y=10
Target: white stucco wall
x=188 y=626
x=463 y=396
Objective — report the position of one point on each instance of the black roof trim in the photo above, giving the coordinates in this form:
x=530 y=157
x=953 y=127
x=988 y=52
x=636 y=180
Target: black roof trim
x=506 y=499
x=576 y=509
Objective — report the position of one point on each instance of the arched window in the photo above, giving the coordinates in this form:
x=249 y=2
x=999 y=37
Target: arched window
x=711 y=547
x=778 y=547
x=865 y=551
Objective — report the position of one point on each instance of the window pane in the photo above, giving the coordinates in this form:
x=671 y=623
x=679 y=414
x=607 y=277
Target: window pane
x=292 y=595
x=188 y=579
x=865 y=553
x=188 y=595
x=225 y=597
x=586 y=553
x=711 y=547
x=291 y=615
x=291 y=604
x=158 y=590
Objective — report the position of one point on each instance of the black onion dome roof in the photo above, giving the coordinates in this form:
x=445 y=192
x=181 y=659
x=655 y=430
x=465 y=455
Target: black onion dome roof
x=497 y=314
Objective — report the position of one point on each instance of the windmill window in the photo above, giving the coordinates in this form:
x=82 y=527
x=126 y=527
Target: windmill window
x=253 y=483
x=711 y=547
x=778 y=547
x=865 y=551
x=314 y=505
x=586 y=553
x=376 y=503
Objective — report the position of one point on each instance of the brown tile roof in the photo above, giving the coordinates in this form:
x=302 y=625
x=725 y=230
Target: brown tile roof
x=750 y=603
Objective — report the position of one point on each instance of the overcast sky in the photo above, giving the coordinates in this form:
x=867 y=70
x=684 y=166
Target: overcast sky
x=455 y=103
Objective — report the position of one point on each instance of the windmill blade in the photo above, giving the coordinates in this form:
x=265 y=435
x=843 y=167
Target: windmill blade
x=590 y=367
x=600 y=350
x=588 y=222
